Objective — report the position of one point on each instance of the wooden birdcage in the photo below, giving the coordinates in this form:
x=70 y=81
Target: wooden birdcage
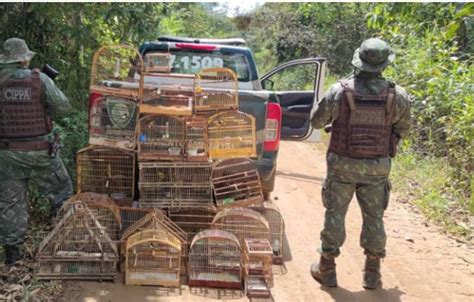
x=153 y=257
x=217 y=89
x=257 y=263
x=101 y=206
x=157 y=62
x=77 y=248
x=236 y=182
x=277 y=228
x=129 y=216
x=244 y=223
x=108 y=171
x=215 y=260
x=197 y=141
x=175 y=184
x=116 y=71
x=161 y=137
x=172 y=94
x=112 y=122
x=157 y=220
x=231 y=134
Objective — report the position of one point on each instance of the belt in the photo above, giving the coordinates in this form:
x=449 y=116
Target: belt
x=25 y=146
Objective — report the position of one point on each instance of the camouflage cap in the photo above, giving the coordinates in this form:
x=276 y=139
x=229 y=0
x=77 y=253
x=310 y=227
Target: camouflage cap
x=373 y=55
x=15 y=50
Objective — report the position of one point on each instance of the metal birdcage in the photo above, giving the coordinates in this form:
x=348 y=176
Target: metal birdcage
x=172 y=94
x=77 y=248
x=197 y=141
x=257 y=263
x=161 y=137
x=157 y=220
x=231 y=134
x=217 y=89
x=153 y=257
x=157 y=62
x=244 y=223
x=112 y=122
x=101 y=206
x=215 y=260
x=116 y=71
x=277 y=228
x=236 y=182
x=106 y=170
x=175 y=184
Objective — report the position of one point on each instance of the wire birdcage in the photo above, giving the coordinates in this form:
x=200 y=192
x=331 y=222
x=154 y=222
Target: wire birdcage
x=236 y=182
x=129 y=216
x=101 y=206
x=197 y=141
x=257 y=263
x=112 y=122
x=175 y=184
x=108 y=171
x=161 y=137
x=217 y=89
x=171 y=94
x=153 y=257
x=277 y=228
x=231 y=134
x=77 y=248
x=157 y=62
x=244 y=223
x=116 y=71
x=215 y=260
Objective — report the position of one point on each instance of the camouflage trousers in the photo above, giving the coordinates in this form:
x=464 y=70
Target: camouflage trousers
x=17 y=170
x=372 y=193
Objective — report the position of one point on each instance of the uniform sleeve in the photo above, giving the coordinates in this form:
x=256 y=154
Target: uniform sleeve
x=56 y=101
x=326 y=111
x=402 y=118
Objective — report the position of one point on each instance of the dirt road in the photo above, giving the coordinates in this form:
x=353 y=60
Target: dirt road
x=422 y=264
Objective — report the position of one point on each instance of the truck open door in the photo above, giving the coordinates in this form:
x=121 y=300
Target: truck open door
x=299 y=86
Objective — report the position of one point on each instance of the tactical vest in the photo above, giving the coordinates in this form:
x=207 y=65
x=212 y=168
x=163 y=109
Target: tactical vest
x=22 y=112
x=364 y=124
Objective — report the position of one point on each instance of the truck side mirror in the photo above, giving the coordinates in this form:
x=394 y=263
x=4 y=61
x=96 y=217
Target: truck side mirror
x=268 y=84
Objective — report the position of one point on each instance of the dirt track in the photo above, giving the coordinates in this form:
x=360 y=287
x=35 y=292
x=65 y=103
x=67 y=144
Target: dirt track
x=422 y=264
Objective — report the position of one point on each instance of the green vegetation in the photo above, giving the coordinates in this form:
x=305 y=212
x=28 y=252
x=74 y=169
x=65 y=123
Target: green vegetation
x=433 y=43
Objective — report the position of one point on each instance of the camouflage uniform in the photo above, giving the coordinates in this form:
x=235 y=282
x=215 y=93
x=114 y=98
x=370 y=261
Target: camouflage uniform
x=368 y=178
x=19 y=168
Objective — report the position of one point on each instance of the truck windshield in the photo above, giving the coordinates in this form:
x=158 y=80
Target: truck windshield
x=191 y=62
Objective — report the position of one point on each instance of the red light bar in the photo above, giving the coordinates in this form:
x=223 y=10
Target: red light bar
x=205 y=47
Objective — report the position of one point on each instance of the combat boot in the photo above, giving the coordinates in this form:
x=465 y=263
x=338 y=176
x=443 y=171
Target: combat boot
x=372 y=276
x=12 y=254
x=324 y=272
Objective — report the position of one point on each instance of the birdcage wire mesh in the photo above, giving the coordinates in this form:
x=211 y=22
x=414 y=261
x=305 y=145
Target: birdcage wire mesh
x=231 y=134
x=175 y=184
x=217 y=89
x=112 y=122
x=215 y=260
x=277 y=228
x=101 y=206
x=172 y=94
x=129 y=216
x=78 y=247
x=161 y=137
x=108 y=171
x=157 y=62
x=257 y=259
x=244 y=223
x=116 y=71
x=197 y=141
x=236 y=182
x=153 y=257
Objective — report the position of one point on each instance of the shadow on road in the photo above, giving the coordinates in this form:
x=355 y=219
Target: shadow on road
x=216 y=293
x=341 y=294
x=300 y=177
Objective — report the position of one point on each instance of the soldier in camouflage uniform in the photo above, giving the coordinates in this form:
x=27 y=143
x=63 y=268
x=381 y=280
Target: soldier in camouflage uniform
x=367 y=115
x=27 y=99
